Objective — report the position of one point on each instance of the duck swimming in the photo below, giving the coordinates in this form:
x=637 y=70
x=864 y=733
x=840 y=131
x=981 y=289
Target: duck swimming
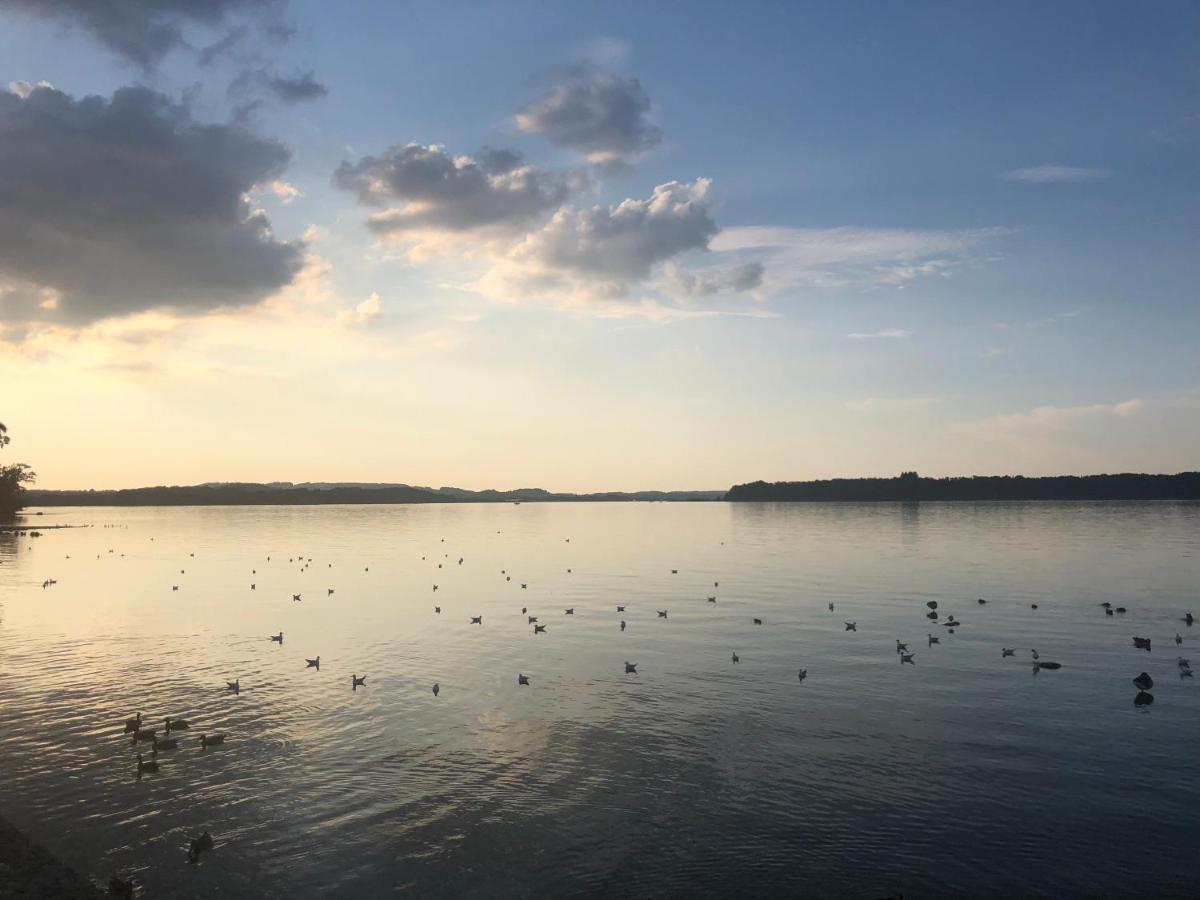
x=630 y=667
x=146 y=765
x=313 y=663
x=207 y=741
x=198 y=846
x=356 y=682
x=176 y=724
x=539 y=629
x=436 y=688
x=662 y=613
x=522 y=679
x=476 y=620
x=133 y=724
x=277 y=638
x=851 y=626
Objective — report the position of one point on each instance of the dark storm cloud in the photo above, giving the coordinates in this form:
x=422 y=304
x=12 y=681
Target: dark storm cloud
x=142 y=31
x=603 y=116
x=425 y=188
x=110 y=206
x=296 y=89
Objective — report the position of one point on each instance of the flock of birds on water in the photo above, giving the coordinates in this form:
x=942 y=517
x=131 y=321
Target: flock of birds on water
x=141 y=735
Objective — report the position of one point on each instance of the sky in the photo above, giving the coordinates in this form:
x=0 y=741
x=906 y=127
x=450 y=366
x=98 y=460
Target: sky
x=597 y=246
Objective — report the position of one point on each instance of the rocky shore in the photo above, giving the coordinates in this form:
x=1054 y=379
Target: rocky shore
x=29 y=872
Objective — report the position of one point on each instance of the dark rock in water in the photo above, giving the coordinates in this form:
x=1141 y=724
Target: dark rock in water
x=1143 y=699
x=1144 y=681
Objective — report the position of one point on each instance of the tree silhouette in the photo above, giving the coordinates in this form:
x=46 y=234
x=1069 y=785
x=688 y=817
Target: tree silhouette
x=13 y=478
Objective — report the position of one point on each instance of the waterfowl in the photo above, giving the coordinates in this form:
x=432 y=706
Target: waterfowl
x=277 y=638
x=901 y=648
x=234 y=686
x=758 y=621
x=532 y=619
x=524 y=586
x=1144 y=681
x=712 y=599
x=620 y=609
x=1187 y=617
x=437 y=609
x=674 y=571
x=907 y=658
x=522 y=679
x=933 y=640
x=524 y=610
x=329 y=592
x=1185 y=673
x=1108 y=612
x=174 y=587
x=150 y=765
x=1106 y=605
x=435 y=587
x=476 y=620
x=630 y=667
x=662 y=613
x=176 y=724
x=198 y=846
x=1182 y=663
x=251 y=587
x=133 y=724
x=932 y=604
x=803 y=674
x=831 y=607
x=356 y=682
x=436 y=688
x=1046 y=665
x=1178 y=639
x=1035 y=654
x=981 y=601
x=851 y=626
x=165 y=744
x=144 y=734
x=1004 y=651
x=622 y=624
x=312 y=663
x=735 y=656
x=1121 y=609
x=1143 y=699
x=539 y=629
x=207 y=741
x=569 y=612
x=1033 y=606
x=1141 y=643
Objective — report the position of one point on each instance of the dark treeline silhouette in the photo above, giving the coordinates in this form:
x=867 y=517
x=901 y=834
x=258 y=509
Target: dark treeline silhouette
x=283 y=493
x=13 y=478
x=911 y=486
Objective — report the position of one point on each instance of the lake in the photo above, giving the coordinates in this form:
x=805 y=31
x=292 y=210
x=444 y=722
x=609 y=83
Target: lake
x=965 y=773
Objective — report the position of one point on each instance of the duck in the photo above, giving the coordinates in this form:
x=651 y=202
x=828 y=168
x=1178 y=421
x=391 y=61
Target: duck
x=622 y=624
x=712 y=599
x=234 y=685
x=476 y=620
x=198 y=846
x=149 y=765
x=524 y=586
x=1121 y=609
x=933 y=640
x=1185 y=673
x=133 y=724
x=620 y=609
x=981 y=601
x=901 y=648
x=851 y=626
x=539 y=629
x=662 y=613
x=1035 y=654
x=214 y=740
x=1144 y=681
x=356 y=682
x=569 y=612
x=329 y=592
x=907 y=658
x=1108 y=612
x=1178 y=639
x=532 y=619
x=522 y=679
x=630 y=668
x=1004 y=651
x=831 y=607
x=296 y=598
x=165 y=744
x=1182 y=663
x=674 y=571
x=277 y=638
x=932 y=604
x=1143 y=698
x=758 y=621
x=437 y=609
x=437 y=688
x=524 y=610
x=735 y=657
x=176 y=724
x=312 y=663
x=1187 y=617
x=1046 y=665
x=803 y=674
x=144 y=734
x=1142 y=643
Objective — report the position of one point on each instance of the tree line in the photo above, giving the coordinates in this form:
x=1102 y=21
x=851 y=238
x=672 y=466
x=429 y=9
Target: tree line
x=13 y=478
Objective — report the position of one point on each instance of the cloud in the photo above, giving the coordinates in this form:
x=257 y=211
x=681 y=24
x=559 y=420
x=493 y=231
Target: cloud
x=603 y=253
x=1053 y=174
x=141 y=31
x=1050 y=418
x=891 y=404
x=853 y=258
x=423 y=189
x=886 y=333
x=283 y=191
x=704 y=283
x=299 y=88
x=126 y=203
x=367 y=311
x=603 y=116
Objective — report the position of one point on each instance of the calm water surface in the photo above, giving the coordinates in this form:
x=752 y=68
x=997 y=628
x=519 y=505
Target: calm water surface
x=964 y=774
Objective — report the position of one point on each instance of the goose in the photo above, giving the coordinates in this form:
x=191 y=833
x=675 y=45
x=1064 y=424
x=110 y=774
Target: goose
x=522 y=679
x=1004 y=651
x=932 y=604
x=277 y=638
x=735 y=657
x=198 y=846
x=1178 y=639
x=312 y=663
x=1046 y=665
x=662 y=613
x=568 y=571
x=524 y=610
x=1108 y=612
x=1143 y=699
x=1141 y=643
x=1034 y=606
x=207 y=741
x=435 y=587
x=532 y=619
x=133 y=724
x=674 y=571
x=907 y=658
x=630 y=667
x=1035 y=654
x=622 y=624
x=620 y=609
x=1144 y=681
x=234 y=686
x=851 y=626
x=437 y=609
x=174 y=587
x=1185 y=673
x=524 y=586
x=831 y=607
x=144 y=734
x=356 y=682
x=1121 y=609
x=539 y=629
x=165 y=744
x=1182 y=663
x=149 y=765
x=476 y=620
x=252 y=587
x=436 y=688
x=1187 y=617
x=901 y=648
x=1106 y=605
x=758 y=621
x=933 y=640
x=717 y=583
x=569 y=612
x=981 y=601
x=951 y=622
x=329 y=592
x=712 y=599
x=177 y=724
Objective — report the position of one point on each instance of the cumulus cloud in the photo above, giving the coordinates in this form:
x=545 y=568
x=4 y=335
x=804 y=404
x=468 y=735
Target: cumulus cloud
x=605 y=251
x=1052 y=174
x=704 y=283
x=142 y=32
x=422 y=188
x=127 y=203
x=603 y=116
x=855 y=258
x=367 y=311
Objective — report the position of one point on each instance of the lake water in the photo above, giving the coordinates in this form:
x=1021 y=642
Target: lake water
x=963 y=774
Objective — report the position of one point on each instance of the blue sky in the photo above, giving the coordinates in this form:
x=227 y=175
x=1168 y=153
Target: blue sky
x=953 y=237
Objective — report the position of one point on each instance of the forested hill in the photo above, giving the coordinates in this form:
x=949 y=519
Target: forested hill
x=910 y=486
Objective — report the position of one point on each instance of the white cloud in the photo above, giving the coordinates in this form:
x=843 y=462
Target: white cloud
x=1048 y=174
x=1049 y=418
x=367 y=311
x=284 y=191
x=891 y=404
x=854 y=258
x=896 y=333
